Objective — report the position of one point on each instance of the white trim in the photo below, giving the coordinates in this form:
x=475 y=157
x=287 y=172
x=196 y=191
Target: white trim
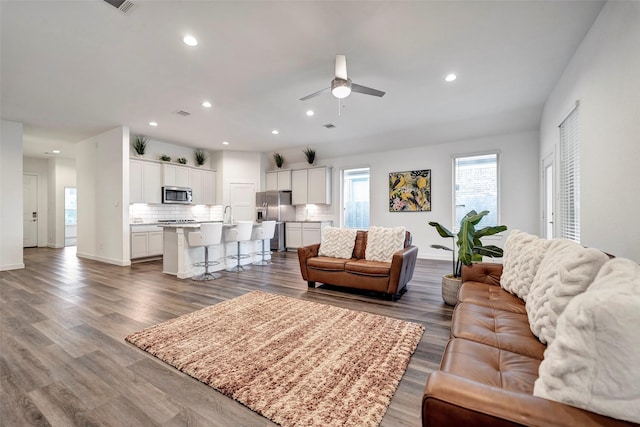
x=122 y=263
x=571 y=110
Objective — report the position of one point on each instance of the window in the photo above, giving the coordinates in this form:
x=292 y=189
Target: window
x=70 y=206
x=570 y=177
x=476 y=187
x=355 y=193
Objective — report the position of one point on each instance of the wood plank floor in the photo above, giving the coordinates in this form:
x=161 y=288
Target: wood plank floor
x=64 y=361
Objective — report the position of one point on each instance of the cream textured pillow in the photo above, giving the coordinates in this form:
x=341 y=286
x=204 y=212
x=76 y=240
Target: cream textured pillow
x=566 y=270
x=337 y=242
x=383 y=242
x=593 y=362
x=523 y=253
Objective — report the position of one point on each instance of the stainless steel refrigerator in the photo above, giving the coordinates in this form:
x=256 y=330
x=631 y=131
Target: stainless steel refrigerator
x=275 y=206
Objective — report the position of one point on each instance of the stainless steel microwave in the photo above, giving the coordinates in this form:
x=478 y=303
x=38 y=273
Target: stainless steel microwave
x=177 y=195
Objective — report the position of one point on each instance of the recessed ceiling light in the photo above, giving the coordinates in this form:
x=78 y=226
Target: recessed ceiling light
x=153 y=124
x=275 y=132
x=190 y=40
x=225 y=142
x=56 y=151
x=310 y=113
x=450 y=77
x=206 y=104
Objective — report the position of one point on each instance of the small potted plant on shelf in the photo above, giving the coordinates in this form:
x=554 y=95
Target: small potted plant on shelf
x=182 y=160
x=470 y=249
x=310 y=154
x=165 y=158
x=279 y=159
x=140 y=144
x=200 y=156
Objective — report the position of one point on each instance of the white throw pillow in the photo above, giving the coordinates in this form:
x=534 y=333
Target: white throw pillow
x=383 y=242
x=593 y=362
x=337 y=242
x=523 y=253
x=566 y=270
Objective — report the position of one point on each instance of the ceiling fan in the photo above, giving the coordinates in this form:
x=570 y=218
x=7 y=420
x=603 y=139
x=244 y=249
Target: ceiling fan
x=342 y=86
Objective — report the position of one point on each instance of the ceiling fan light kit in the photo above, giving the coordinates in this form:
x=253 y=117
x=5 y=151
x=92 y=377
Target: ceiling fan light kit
x=341 y=88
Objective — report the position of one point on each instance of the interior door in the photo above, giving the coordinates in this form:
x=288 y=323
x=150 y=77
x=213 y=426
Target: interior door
x=242 y=199
x=30 y=210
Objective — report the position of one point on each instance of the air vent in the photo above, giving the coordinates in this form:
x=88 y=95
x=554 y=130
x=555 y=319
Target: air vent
x=183 y=113
x=124 y=6
x=329 y=125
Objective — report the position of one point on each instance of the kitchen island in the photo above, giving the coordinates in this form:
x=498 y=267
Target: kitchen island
x=178 y=257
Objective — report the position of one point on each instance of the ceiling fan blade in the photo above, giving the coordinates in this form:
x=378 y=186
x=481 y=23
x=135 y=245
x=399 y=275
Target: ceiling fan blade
x=341 y=67
x=315 y=94
x=366 y=90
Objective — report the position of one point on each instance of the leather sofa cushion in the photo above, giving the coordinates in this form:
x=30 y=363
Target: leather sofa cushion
x=490 y=366
x=327 y=263
x=368 y=268
x=492 y=296
x=498 y=328
x=361 y=245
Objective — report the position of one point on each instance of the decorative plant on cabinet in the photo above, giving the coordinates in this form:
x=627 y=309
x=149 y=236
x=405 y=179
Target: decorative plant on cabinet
x=140 y=144
x=279 y=159
x=310 y=154
x=200 y=156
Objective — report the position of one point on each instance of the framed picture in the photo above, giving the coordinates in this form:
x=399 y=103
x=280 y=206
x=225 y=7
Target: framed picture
x=410 y=191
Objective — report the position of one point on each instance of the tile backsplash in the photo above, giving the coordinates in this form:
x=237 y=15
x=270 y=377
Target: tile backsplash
x=140 y=213
x=315 y=213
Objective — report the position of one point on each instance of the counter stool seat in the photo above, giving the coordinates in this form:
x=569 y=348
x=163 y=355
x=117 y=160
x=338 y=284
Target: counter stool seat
x=240 y=233
x=264 y=232
x=210 y=234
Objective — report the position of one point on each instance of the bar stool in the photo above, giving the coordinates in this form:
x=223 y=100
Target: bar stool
x=264 y=232
x=210 y=234
x=240 y=233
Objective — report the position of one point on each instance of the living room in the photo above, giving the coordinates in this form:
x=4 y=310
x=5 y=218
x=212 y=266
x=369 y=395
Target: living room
x=602 y=74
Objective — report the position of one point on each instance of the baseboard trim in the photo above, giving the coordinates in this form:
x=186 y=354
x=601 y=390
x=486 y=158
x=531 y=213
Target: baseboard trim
x=7 y=267
x=121 y=263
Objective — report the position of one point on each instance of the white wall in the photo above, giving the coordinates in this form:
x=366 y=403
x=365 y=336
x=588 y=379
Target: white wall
x=11 y=226
x=518 y=185
x=239 y=167
x=604 y=75
x=40 y=168
x=102 y=164
x=156 y=148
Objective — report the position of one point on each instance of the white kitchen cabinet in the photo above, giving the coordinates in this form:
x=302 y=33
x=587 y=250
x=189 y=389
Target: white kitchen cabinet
x=144 y=182
x=310 y=233
x=146 y=241
x=306 y=233
x=293 y=234
x=278 y=180
x=203 y=186
x=311 y=186
x=175 y=176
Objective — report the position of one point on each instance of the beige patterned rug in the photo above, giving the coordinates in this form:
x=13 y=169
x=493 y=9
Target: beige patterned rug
x=295 y=362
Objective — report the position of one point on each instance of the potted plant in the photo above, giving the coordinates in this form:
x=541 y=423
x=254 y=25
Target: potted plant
x=310 y=154
x=165 y=158
x=201 y=157
x=182 y=160
x=279 y=159
x=470 y=248
x=140 y=144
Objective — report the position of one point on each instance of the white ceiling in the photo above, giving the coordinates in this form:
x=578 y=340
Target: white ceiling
x=73 y=69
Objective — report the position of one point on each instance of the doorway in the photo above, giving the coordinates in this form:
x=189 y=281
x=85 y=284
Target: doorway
x=30 y=211
x=70 y=216
x=547 y=210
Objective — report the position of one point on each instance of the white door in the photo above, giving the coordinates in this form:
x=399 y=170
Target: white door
x=30 y=210
x=547 y=213
x=242 y=199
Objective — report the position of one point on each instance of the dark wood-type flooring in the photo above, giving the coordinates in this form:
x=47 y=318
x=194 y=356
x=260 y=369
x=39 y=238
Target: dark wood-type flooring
x=64 y=361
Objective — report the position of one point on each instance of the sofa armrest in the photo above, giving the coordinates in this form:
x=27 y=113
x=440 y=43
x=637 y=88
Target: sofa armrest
x=402 y=265
x=454 y=400
x=304 y=253
x=483 y=272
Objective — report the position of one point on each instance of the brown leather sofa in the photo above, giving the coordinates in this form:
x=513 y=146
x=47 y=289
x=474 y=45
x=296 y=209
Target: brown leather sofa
x=390 y=278
x=491 y=362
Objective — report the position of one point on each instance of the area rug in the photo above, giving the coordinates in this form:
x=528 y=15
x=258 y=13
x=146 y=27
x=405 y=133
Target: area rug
x=295 y=362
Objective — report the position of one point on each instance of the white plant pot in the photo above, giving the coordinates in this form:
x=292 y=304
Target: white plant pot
x=450 y=287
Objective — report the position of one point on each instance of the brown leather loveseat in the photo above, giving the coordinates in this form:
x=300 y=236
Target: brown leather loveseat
x=390 y=278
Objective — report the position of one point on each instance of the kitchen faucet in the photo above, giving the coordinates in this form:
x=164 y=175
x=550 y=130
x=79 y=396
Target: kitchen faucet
x=224 y=214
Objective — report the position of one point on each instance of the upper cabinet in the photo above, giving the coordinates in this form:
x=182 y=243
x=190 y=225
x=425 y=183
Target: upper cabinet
x=175 y=176
x=144 y=182
x=311 y=186
x=278 y=180
x=203 y=186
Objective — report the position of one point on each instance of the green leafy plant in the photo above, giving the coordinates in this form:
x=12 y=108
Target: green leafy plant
x=182 y=160
x=279 y=159
x=468 y=241
x=310 y=154
x=165 y=158
x=140 y=144
x=201 y=157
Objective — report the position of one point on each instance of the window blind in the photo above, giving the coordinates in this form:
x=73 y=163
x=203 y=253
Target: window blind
x=570 y=177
